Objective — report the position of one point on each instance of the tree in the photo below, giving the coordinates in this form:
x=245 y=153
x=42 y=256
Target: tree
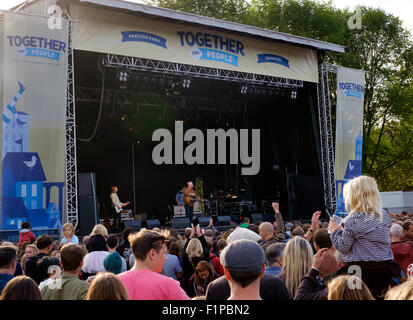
x=231 y=10
x=383 y=48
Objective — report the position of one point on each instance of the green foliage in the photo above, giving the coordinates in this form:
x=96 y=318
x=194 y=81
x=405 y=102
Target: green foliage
x=231 y=10
x=383 y=48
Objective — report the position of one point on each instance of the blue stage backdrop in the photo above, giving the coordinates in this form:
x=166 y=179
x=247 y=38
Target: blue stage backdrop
x=33 y=81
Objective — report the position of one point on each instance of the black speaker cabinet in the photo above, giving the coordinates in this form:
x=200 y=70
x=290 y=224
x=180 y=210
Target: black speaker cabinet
x=180 y=223
x=88 y=205
x=135 y=224
x=257 y=217
x=224 y=220
x=153 y=223
x=204 y=221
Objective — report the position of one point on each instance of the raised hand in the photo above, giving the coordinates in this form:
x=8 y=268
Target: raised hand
x=192 y=230
x=315 y=223
x=332 y=225
x=198 y=230
x=276 y=207
x=325 y=262
x=318 y=258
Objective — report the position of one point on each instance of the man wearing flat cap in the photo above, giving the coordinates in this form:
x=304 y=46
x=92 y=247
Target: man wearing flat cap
x=244 y=265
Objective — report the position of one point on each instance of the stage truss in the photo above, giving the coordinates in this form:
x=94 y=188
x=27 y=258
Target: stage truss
x=71 y=169
x=131 y=63
x=326 y=137
x=148 y=99
x=161 y=67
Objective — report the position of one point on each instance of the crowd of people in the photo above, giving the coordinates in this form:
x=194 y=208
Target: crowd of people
x=369 y=256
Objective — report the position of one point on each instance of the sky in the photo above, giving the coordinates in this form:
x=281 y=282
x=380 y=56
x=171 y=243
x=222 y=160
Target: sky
x=400 y=8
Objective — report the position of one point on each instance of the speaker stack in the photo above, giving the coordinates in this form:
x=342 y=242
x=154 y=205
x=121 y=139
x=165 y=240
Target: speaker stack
x=88 y=205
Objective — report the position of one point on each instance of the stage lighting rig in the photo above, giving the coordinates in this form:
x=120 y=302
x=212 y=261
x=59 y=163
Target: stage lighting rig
x=186 y=83
x=123 y=78
x=294 y=94
x=244 y=89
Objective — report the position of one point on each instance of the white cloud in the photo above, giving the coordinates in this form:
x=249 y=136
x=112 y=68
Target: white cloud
x=7 y=4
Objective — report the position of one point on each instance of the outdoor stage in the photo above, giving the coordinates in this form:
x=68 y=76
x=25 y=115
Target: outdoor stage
x=121 y=151
x=133 y=69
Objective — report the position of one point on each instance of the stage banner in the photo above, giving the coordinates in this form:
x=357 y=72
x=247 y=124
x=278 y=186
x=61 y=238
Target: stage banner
x=34 y=82
x=349 y=129
x=114 y=32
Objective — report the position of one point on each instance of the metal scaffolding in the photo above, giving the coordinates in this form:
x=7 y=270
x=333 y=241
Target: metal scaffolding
x=149 y=99
x=121 y=62
x=326 y=137
x=71 y=170
x=132 y=63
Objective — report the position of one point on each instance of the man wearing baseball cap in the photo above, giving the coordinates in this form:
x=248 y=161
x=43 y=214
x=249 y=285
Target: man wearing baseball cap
x=244 y=266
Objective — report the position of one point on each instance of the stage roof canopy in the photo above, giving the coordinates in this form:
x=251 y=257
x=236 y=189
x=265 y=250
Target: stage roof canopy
x=129 y=29
x=168 y=14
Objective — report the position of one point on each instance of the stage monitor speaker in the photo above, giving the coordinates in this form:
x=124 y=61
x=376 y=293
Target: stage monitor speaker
x=257 y=217
x=204 y=221
x=224 y=220
x=269 y=217
x=88 y=205
x=136 y=225
x=179 y=211
x=153 y=223
x=180 y=223
x=236 y=219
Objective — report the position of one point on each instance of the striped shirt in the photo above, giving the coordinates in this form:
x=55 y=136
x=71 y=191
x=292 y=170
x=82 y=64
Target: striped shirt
x=361 y=240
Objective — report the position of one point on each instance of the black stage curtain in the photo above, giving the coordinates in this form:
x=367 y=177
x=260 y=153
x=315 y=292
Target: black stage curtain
x=305 y=196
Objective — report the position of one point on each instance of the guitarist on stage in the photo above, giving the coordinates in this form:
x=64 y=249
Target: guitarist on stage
x=117 y=206
x=190 y=197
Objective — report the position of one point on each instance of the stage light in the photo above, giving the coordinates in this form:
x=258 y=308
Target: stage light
x=294 y=94
x=186 y=83
x=123 y=76
x=244 y=89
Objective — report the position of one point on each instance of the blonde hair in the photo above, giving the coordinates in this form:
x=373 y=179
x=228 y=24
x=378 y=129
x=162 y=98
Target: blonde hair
x=107 y=286
x=32 y=246
x=99 y=229
x=55 y=253
x=361 y=194
x=70 y=225
x=194 y=248
x=403 y=291
x=298 y=259
x=338 y=289
x=22 y=262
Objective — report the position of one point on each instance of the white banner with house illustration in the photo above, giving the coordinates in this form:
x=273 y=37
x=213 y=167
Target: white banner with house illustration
x=34 y=81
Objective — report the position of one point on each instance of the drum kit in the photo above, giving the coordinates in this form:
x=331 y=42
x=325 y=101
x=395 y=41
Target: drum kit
x=226 y=202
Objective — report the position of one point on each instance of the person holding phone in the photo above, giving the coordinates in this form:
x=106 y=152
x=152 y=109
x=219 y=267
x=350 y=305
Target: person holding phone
x=363 y=237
